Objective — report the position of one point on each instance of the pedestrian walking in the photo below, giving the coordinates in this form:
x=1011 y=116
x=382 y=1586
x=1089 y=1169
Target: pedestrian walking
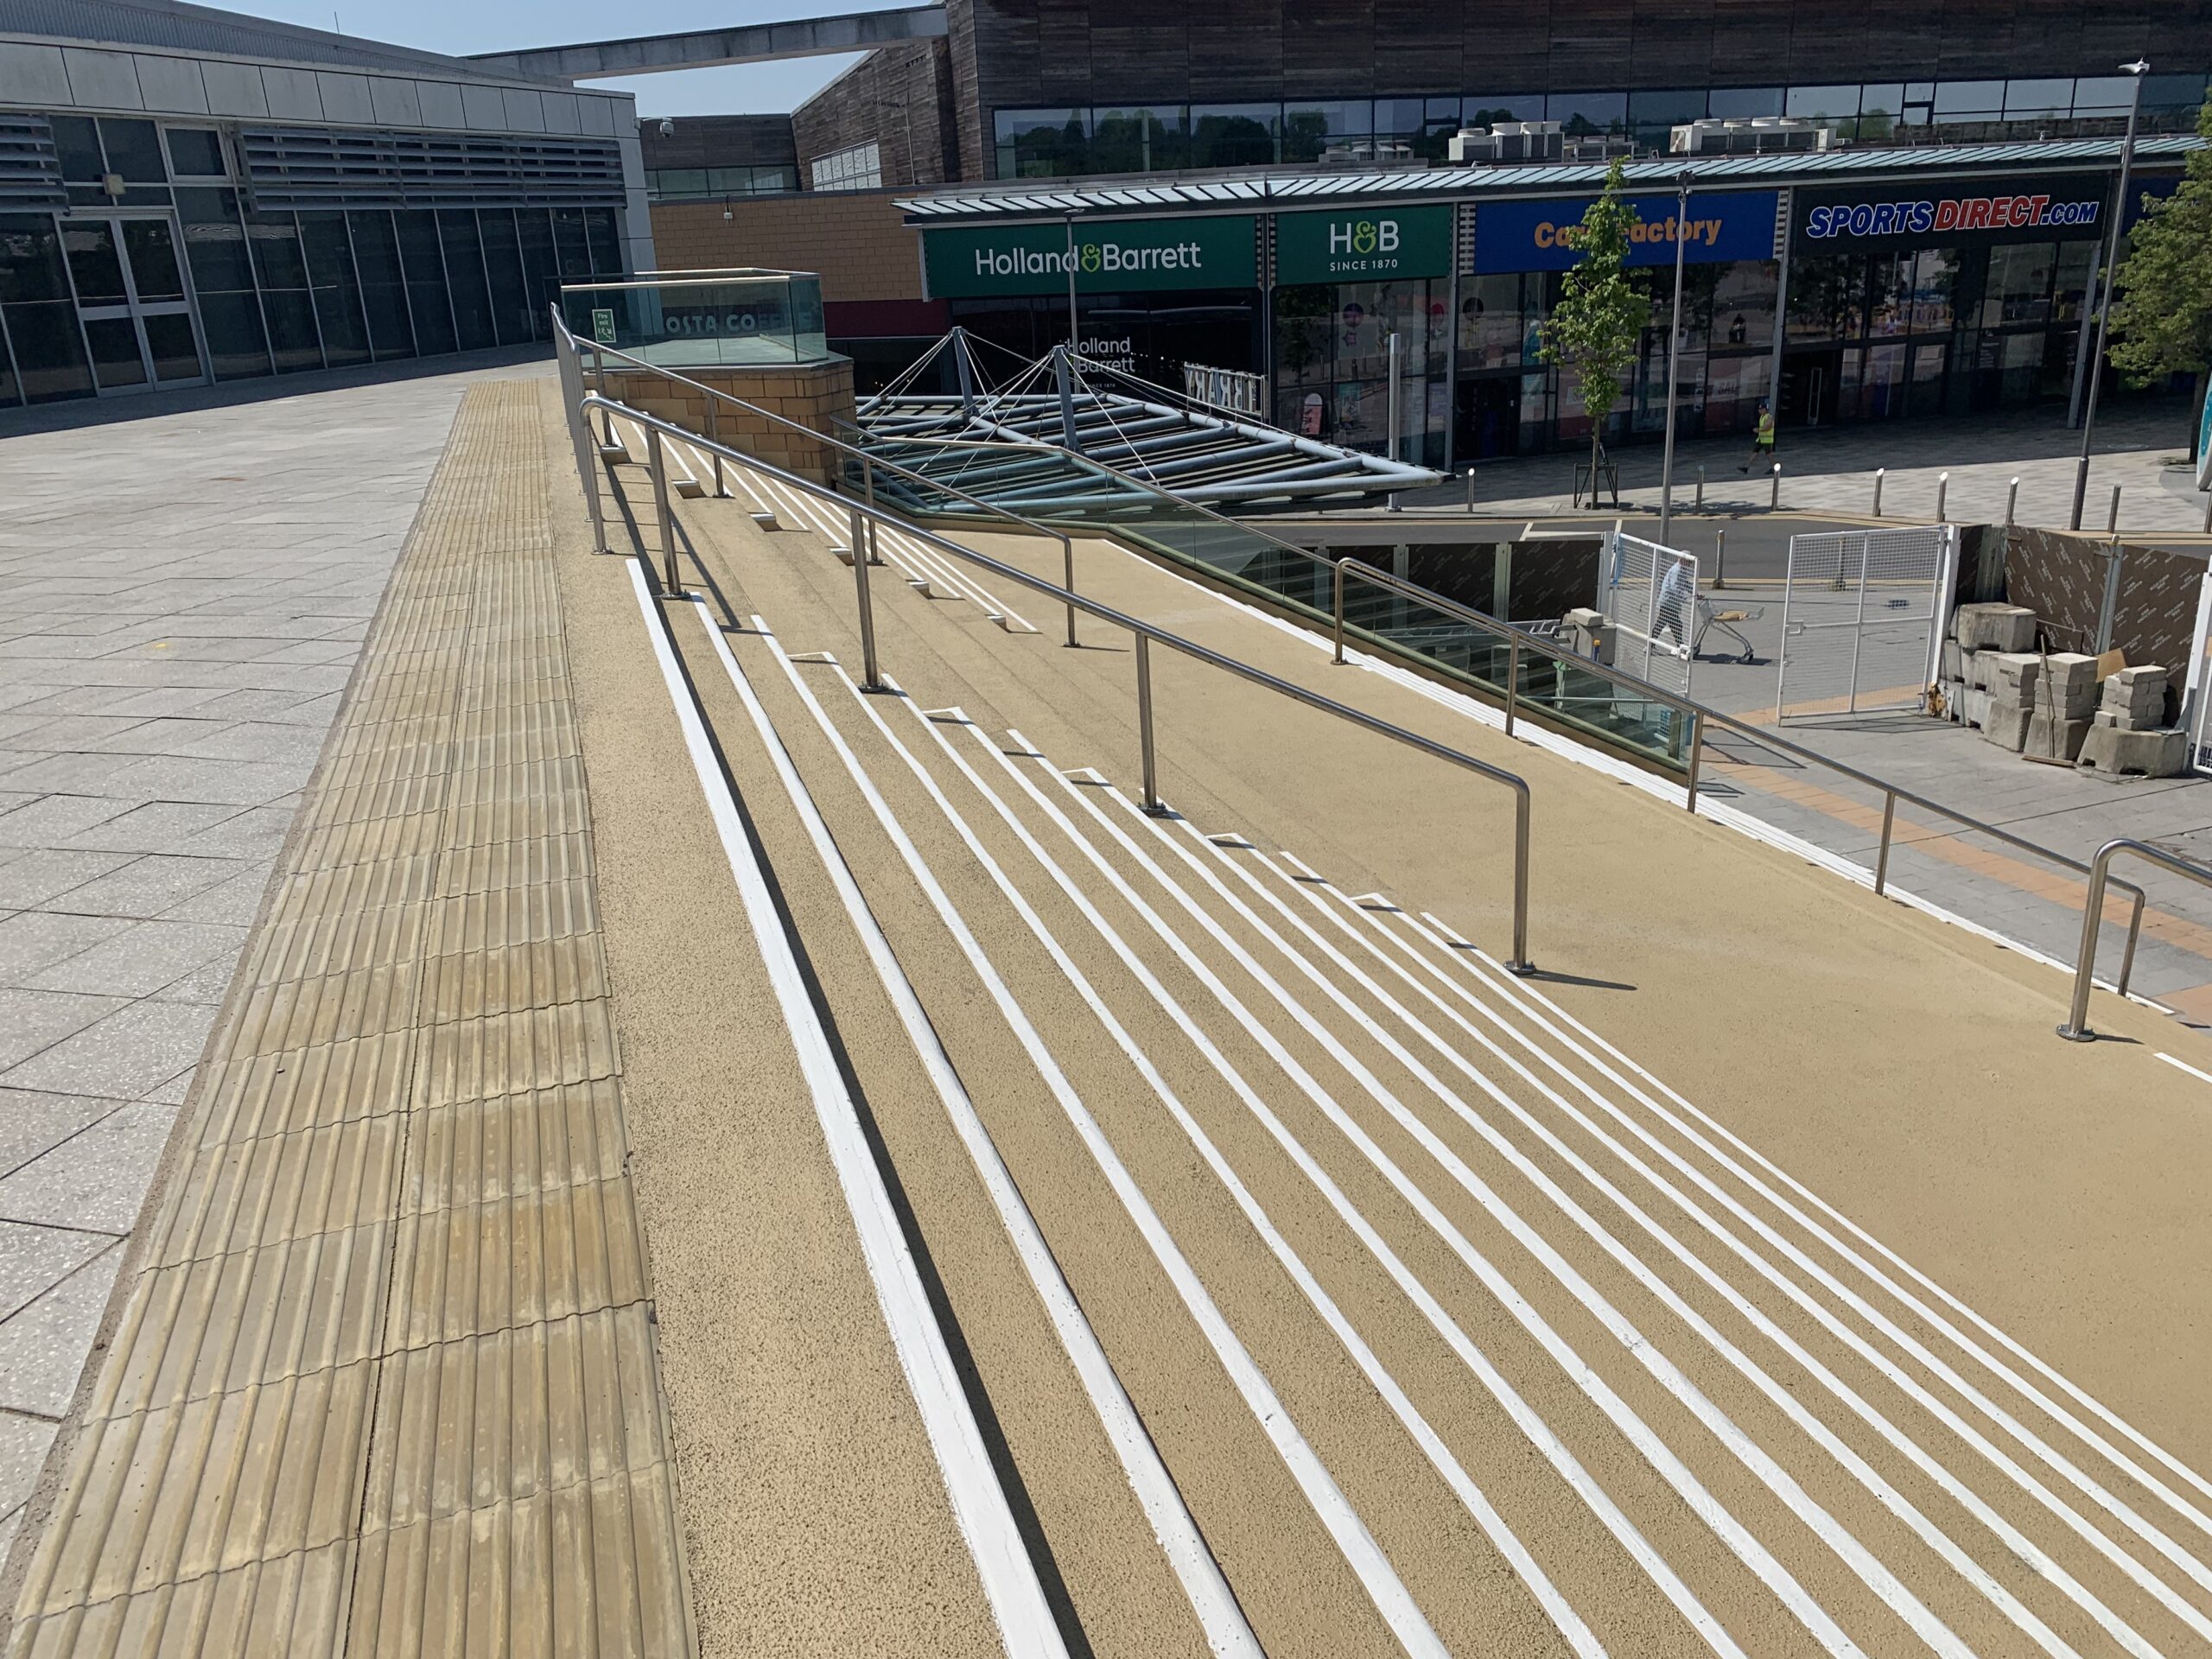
x=1762 y=437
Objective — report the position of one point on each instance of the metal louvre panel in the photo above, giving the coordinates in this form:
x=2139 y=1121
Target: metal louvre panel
x=338 y=167
x=29 y=175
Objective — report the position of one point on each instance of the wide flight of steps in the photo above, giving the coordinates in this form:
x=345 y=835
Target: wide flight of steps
x=1276 y=1272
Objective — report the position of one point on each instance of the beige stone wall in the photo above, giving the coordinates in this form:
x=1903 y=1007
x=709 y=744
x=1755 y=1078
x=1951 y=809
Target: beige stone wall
x=811 y=394
x=852 y=238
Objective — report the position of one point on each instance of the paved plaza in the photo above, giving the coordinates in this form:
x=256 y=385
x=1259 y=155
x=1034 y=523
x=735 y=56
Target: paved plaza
x=184 y=588
x=2139 y=446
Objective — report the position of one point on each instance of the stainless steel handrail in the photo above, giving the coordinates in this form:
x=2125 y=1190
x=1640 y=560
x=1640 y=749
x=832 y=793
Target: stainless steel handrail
x=1144 y=633
x=2077 y=1028
x=1519 y=639
x=717 y=396
x=1891 y=794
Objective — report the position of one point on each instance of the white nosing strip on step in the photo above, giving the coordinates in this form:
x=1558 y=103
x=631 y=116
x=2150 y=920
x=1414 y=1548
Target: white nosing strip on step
x=2183 y=1066
x=1496 y=979
x=1223 y=1620
x=978 y=1502
x=1538 y=1433
x=1662 y=1458
x=1360 y=1553
x=1818 y=1432
x=1359 y=1547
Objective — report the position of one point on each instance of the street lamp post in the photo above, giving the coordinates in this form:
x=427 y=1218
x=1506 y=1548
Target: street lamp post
x=2138 y=69
x=1673 y=345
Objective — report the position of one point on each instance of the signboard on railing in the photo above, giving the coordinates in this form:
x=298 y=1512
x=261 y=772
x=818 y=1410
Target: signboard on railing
x=1122 y=256
x=1233 y=390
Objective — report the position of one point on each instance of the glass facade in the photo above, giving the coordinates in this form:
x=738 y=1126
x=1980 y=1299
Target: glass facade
x=1163 y=138
x=161 y=271
x=1332 y=363
x=704 y=183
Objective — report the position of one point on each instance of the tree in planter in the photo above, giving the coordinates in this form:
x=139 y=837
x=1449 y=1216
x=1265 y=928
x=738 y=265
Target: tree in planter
x=2162 y=304
x=1594 y=330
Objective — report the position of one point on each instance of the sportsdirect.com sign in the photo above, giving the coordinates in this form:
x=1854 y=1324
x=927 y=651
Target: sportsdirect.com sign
x=1540 y=235
x=1363 y=246
x=1970 y=211
x=1111 y=256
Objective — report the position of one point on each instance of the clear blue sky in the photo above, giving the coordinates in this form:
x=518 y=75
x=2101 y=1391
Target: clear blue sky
x=464 y=26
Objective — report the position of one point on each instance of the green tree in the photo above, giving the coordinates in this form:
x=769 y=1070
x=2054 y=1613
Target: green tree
x=1595 y=328
x=2162 y=305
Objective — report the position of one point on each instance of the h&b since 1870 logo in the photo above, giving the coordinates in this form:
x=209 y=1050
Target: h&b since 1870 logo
x=1364 y=243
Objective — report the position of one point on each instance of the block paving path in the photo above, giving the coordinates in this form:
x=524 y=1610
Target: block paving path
x=381 y=1378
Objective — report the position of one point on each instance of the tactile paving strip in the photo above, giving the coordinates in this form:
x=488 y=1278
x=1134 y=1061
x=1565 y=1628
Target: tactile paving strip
x=385 y=1381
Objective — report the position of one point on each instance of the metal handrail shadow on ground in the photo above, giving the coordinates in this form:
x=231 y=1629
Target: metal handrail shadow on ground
x=863 y=515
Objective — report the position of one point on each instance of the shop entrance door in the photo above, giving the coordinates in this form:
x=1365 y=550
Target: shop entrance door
x=1809 y=383
x=131 y=299
x=1490 y=417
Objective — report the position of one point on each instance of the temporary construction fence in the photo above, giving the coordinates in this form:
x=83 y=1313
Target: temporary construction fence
x=1862 y=619
x=1647 y=594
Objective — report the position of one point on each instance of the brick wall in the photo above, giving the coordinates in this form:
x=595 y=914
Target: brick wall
x=902 y=97
x=811 y=394
x=852 y=238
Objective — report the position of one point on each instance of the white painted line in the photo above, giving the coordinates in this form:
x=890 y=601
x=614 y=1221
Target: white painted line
x=2202 y=1077
x=2044 y=1453
x=1227 y=1632
x=1538 y=1432
x=978 y=1502
x=1662 y=1458
x=1337 y=915
x=1455 y=1478
x=1392 y=1600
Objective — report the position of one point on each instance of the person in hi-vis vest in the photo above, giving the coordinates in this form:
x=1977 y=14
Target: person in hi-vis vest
x=1762 y=437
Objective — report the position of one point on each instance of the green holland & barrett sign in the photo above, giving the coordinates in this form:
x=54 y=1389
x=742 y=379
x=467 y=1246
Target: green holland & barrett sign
x=1364 y=245
x=1111 y=256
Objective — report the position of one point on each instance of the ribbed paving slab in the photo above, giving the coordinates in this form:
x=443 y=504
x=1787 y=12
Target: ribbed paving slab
x=385 y=1382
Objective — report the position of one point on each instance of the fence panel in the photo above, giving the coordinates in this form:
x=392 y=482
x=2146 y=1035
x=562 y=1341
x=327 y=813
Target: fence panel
x=1860 y=613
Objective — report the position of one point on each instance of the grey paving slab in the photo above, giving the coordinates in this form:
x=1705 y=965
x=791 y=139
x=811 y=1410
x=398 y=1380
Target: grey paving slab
x=141 y=958
x=34 y=1259
x=43 y=1346
x=126 y=1052
x=157 y=827
x=33 y=941
x=49 y=821
x=23 y=1443
x=179 y=777
x=149 y=885
x=43 y=873
x=32 y=1021
x=96 y=1180
x=31 y=1121
x=236 y=901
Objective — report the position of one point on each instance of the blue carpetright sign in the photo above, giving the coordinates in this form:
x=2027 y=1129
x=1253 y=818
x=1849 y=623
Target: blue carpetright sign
x=1539 y=235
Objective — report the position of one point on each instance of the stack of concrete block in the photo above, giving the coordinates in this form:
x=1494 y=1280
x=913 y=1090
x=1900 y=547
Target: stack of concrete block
x=2009 y=704
x=2130 y=737
x=1978 y=634
x=2065 y=699
x=2134 y=699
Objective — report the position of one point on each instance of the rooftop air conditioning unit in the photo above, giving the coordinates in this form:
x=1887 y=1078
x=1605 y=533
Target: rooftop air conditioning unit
x=1509 y=140
x=1758 y=136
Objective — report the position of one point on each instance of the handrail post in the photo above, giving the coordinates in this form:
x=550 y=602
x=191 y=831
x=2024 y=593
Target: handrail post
x=868 y=487
x=1697 y=751
x=663 y=516
x=715 y=435
x=1339 y=604
x=1512 y=681
x=871 y=675
x=1148 y=759
x=2077 y=1028
x=1067 y=579
x=2135 y=932
x=1518 y=963
x=1882 y=859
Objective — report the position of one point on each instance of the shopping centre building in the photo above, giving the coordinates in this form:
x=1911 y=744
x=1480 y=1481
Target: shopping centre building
x=189 y=195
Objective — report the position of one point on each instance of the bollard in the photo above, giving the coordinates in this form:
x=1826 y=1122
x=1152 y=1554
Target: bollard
x=1471 y=489
x=1774 y=496
x=2112 y=519
x=1720 y=559
x=2207 y=515
x=2011 y=503
x=1700 y=490
x=1942 y=489
x=1878 y=471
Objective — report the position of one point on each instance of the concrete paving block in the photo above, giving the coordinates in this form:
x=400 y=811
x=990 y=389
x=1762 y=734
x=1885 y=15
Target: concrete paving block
x=42 y=1348
x=2144 y=754
x=1990 y=626
x=2056 y=738
x=2068 y=687
x=2128 y=679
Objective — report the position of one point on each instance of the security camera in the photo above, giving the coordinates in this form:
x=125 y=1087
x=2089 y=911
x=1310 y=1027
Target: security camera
x=668 y=129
